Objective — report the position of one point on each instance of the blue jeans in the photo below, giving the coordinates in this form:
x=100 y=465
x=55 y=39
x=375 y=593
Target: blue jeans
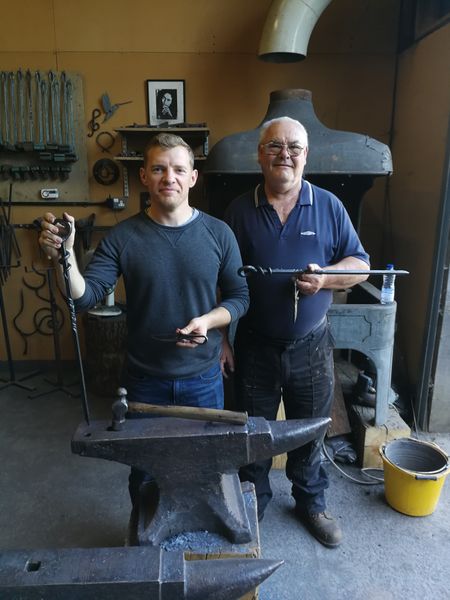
x=204 y=390
x=302 y=373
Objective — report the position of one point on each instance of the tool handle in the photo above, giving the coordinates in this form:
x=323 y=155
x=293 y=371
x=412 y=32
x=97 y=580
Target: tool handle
x=190 y=412
x=424 y=477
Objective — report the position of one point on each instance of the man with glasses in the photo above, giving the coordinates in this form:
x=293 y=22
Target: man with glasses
x=283 y=347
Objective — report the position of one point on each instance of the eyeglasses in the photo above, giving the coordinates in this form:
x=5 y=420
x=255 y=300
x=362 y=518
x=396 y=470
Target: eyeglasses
x=275 y=148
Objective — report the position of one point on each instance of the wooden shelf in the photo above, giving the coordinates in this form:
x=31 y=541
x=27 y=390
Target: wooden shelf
x=135 y=138
x=141 y=158
x=156 y=130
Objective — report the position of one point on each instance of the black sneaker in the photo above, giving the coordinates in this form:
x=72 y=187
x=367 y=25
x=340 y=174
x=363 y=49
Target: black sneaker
x=322 y=526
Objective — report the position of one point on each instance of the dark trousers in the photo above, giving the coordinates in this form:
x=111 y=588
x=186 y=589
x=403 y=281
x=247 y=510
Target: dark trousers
x=204 y=390
x=302 y=373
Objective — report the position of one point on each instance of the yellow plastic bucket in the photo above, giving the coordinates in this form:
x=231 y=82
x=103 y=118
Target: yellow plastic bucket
x=414 y=473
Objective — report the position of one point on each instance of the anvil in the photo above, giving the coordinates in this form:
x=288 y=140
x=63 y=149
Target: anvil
x=118 y=573
x=195 y=465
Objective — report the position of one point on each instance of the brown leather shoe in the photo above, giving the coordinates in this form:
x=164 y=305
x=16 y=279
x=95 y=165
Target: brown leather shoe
x=322 y=526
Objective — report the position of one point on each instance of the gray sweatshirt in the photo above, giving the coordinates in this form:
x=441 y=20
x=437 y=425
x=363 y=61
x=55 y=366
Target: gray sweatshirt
x=171 y=275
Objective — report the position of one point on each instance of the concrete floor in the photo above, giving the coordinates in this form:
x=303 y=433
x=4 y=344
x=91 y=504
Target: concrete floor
x=52 y=498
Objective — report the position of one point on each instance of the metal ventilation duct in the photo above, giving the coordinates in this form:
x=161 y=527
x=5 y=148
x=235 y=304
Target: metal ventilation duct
x=331 y=152
x=287 y=29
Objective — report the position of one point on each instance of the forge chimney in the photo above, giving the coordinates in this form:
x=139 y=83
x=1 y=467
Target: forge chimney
x=343 y=162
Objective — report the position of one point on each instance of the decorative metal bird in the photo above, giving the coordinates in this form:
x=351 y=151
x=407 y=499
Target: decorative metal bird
x=108 y=108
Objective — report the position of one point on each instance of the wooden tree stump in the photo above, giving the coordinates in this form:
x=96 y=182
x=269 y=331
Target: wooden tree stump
x=105 y=342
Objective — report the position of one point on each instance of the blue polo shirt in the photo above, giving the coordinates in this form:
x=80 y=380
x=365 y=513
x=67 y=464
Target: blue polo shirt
x=318 y=230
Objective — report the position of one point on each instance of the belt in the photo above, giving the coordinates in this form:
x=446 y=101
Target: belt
x=290 y=341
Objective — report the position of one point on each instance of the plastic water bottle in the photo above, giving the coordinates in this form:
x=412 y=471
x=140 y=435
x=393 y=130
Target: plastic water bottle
x=388 y=287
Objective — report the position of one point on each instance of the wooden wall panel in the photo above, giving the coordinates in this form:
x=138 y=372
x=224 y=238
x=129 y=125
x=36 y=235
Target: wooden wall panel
x=212 y=45
x=420 y=137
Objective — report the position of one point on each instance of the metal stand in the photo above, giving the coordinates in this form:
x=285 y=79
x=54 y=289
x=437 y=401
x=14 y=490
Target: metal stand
x=12 y=374
x=8 y=248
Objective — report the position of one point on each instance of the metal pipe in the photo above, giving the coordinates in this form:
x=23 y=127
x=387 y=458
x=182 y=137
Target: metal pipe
x=247 y=270
x=287 y=29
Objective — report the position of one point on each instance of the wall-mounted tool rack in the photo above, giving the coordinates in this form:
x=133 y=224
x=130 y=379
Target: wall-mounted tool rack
x=41 y=134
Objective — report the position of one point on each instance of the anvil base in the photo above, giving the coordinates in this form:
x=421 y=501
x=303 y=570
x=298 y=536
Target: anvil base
x=204 y=545
x=200 y=543
x=153 y=523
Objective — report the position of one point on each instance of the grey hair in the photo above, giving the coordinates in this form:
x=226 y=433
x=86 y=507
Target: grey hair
x=265 y=126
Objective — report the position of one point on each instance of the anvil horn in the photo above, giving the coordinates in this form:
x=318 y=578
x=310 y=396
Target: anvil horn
x=286 y=435
x=117 y=573
x=226 y=579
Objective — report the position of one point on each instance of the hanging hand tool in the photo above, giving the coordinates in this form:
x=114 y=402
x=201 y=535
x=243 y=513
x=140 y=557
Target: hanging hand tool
x=14 y=171
x=65 y=229
x=7 y=140
x=59 y=113
x=43 y=171
x=248 y=270
x=2 y=145
x=64 y=171
x=5 y=108
x=56 y=109
x=39 y=145
x=53 y=171
x=71 y=124
x=29 y=144
x=21 y=94
x=34 y=172
x=24 y=171
x=64 y=144
x=65 y=107
x=108 y=108
x=12 y=91
x=45 y=115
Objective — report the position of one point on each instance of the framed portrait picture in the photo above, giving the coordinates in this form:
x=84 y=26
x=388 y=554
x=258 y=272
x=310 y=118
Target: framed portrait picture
x=165 y=101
